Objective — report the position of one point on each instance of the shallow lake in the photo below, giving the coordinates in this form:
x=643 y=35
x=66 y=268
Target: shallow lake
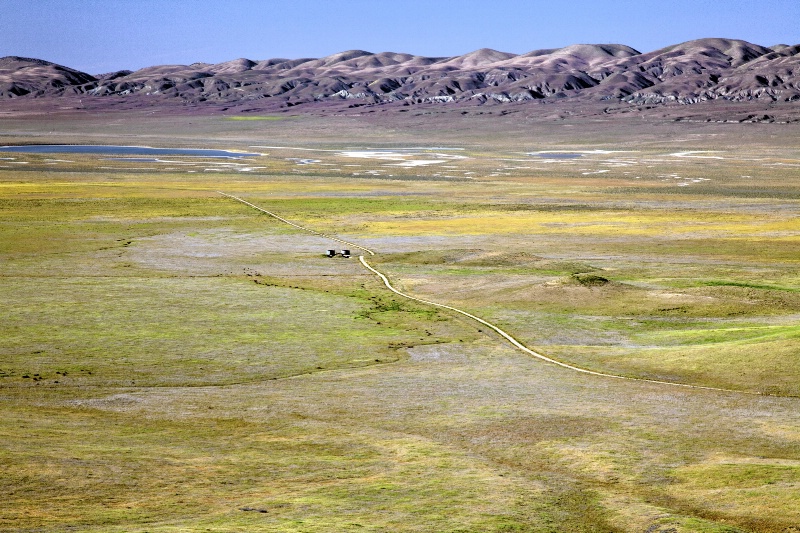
x=557 y=155
x=123 y=150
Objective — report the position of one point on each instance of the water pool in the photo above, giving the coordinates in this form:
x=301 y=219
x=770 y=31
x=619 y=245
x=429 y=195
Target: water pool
x=121 y=150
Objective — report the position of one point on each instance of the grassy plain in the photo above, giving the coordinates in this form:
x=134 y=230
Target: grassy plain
x=172 y=360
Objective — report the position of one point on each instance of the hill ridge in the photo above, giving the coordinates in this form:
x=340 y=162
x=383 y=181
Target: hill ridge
x=683 y=73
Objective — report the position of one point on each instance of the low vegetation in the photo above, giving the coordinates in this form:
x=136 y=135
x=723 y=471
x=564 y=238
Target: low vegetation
x=173 y=360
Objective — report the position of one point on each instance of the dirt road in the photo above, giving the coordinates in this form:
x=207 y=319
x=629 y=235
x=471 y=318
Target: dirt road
x=513 y=341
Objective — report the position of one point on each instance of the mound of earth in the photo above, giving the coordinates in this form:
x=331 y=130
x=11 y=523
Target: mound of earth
x=589 y=279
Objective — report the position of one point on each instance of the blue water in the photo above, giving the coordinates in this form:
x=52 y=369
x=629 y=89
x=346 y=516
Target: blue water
x=556 y=155
x=125 y=150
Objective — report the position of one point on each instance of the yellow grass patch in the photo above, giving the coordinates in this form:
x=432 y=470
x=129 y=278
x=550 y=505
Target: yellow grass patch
x=590 y=223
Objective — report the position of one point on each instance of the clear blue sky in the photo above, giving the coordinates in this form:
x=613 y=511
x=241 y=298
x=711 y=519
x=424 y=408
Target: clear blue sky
x=99 y=36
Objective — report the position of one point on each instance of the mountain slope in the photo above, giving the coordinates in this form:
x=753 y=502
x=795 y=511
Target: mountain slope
x=22 y=76
x=691 y=72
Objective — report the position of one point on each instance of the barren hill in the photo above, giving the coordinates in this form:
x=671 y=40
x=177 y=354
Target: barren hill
x=22 y=76
x=685 y=73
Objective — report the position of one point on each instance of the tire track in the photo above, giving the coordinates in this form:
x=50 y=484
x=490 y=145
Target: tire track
x=517 y=344
x=298 y=226
x=513 y=341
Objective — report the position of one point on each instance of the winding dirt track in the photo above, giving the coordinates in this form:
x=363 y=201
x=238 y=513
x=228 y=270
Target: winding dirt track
x=514 y=342
x=307 y=230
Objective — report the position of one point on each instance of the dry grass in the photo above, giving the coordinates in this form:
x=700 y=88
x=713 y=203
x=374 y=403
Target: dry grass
x=192 y=365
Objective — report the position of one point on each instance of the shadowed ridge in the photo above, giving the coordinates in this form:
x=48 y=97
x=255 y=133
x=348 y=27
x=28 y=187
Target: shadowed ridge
x=342 y=57
x=619 y=50
x=705 y=69
x=736 y=51
x=781 y=57
x=16 y=62
x=382 y=65
x=577 y=58
x=590 y=52
x=400 y=57
x=538 y=53
x=389 y=59
x=790 y=50
x=585 y=51
x=621 y=84
x=158 y=70
x=237 y=65
x=478 y=58
x=279 y=64
x=334 y=64
x=773 y=75
x=23 y=76
x=374 y=61
x=706 y=59
x=113 y=75
x=275 y=61
x=27 y=66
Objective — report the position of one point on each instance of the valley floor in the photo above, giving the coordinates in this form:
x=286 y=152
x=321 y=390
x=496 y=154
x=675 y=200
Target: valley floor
x=174 y=360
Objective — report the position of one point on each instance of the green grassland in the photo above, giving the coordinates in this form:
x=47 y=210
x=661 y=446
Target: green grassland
x=173 y=360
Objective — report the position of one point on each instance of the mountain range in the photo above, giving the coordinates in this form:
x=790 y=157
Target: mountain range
x=686 y=73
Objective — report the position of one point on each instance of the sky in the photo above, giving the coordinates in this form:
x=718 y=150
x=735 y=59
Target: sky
x=99 y=36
